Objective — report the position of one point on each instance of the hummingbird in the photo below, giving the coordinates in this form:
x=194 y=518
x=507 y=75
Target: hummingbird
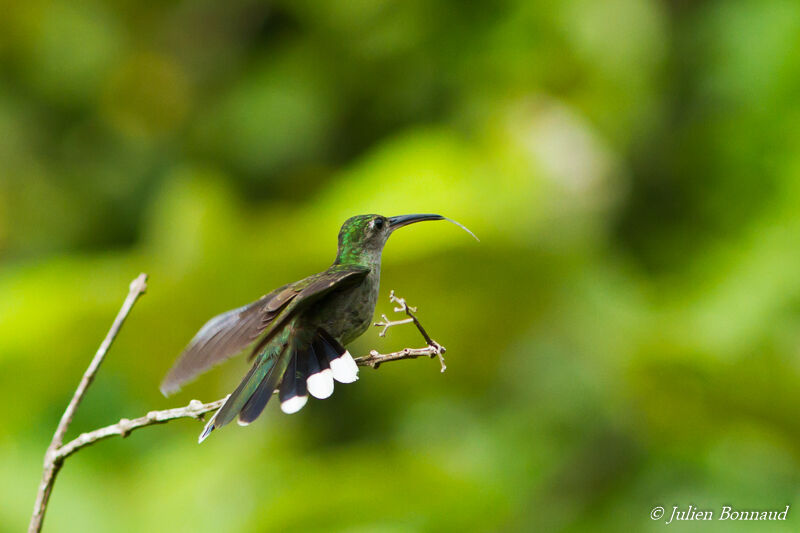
x=298 y=331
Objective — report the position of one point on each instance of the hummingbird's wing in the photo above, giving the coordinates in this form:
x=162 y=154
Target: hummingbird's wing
x=227 y=334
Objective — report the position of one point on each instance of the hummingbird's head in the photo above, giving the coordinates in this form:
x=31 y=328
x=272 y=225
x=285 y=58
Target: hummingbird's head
x=362 y=237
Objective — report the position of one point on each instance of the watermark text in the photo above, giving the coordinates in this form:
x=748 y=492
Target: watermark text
x=678 y=514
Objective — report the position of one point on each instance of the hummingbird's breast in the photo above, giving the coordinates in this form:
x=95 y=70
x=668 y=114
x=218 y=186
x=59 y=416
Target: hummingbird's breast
x=347 y=313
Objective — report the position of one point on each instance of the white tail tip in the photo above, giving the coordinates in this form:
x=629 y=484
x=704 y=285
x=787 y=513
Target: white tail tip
x=345 y=369
x=320 y=385
x=294 y=404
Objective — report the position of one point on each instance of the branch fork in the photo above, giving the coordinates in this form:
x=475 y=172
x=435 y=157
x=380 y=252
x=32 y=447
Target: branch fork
x=57 y=451
x=433 y=349
x=53 y=457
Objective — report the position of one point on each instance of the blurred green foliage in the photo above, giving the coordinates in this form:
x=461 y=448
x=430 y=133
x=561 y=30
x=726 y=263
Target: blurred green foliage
x=626 y=335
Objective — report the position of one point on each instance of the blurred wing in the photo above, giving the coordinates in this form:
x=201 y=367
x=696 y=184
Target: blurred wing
x=226 y=335
x=310 y=290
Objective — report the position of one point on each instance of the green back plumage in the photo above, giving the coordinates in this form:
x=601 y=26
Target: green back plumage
x=307 y=291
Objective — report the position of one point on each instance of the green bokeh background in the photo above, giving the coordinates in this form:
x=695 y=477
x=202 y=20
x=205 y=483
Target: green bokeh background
x=627 y=333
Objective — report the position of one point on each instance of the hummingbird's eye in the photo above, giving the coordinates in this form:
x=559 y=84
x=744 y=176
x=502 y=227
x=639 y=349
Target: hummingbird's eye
x=377 y=223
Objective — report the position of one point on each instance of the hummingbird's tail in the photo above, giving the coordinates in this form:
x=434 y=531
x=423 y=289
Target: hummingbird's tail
x=302 y=363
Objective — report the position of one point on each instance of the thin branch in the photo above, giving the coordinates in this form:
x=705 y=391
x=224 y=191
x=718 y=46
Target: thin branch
x=374 y=359
x=58 y=452
x=52 y=462
x=196 y=409
x=391 y=323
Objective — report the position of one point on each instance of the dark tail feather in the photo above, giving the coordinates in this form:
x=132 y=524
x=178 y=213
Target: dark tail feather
x=312 y=363
x=293 y=393
x=343 y=366
x=299 y=371
x=255 y=405
x=266 y=372
x=333 y=348
x=222 y=412
x=289 y=382
x=320 y=377
x=323 y=352
x=302 y=375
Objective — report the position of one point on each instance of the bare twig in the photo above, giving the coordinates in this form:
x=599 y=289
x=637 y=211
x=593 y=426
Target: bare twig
x=196 y=409
x=57 y=451
x=52 y=462
x=390 y=323
x=374 y=359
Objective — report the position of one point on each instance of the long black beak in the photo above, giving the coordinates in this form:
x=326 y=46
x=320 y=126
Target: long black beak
x=405 y=220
